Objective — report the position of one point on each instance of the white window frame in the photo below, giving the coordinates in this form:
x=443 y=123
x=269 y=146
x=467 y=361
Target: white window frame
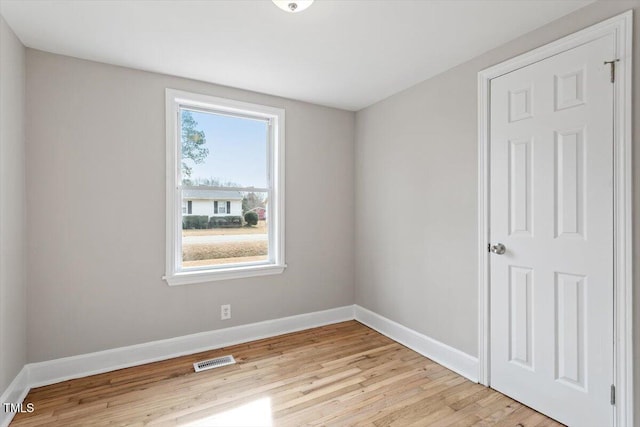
x=275 y=117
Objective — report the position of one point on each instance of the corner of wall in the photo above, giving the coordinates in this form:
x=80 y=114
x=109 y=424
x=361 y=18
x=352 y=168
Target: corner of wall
x=12 y=209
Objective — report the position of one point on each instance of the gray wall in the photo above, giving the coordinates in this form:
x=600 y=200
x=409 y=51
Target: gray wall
x=96 y=213
x=13 y=309
x=418 y=148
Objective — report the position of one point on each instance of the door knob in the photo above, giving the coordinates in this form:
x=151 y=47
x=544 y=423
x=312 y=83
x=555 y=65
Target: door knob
x=498 y=249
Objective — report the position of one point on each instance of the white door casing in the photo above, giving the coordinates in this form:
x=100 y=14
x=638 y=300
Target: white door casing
x=551 y=204
x=547 y=351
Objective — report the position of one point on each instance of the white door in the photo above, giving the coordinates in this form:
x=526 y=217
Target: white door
x=551 y=191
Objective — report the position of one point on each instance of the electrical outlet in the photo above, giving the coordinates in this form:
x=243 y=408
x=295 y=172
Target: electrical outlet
x=225 y=312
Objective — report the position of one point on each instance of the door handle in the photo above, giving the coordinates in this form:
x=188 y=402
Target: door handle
x=498 y=249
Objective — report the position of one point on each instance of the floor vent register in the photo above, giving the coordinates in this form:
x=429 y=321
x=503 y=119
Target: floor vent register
x=218 y=362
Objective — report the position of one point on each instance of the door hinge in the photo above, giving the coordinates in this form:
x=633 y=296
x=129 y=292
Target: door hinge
x=612 y=64
x=613 y=394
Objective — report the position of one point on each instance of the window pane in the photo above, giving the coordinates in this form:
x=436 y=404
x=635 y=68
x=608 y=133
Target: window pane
x=236 y=233
x=223 y=151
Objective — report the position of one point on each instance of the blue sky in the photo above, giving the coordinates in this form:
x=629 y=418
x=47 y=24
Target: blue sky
x=237 y=150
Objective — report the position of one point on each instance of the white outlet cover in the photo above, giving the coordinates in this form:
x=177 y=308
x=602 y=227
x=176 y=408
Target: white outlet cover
x=225 y=311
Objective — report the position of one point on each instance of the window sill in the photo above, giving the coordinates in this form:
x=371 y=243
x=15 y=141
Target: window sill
x=192 y=277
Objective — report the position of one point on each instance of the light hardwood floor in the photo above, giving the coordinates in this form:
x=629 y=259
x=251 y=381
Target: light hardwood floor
x=339 y=375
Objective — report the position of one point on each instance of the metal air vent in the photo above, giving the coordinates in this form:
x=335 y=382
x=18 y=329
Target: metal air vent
x=214 y=363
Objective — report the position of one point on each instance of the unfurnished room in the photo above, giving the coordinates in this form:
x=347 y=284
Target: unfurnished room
x=319 y=213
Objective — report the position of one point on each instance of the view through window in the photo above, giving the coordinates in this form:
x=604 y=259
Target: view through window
x=225 y=188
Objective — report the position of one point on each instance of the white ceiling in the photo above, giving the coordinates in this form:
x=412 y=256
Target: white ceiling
x=340 y=53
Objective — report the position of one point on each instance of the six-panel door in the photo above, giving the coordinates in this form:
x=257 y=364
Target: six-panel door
x=552 y=207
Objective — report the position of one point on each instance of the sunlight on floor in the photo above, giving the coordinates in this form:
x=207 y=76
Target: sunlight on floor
x=253 y=414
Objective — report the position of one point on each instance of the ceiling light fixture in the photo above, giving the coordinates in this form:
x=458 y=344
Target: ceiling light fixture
x=293 y=6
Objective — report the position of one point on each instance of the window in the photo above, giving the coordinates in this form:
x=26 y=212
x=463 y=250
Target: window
x=225 y=189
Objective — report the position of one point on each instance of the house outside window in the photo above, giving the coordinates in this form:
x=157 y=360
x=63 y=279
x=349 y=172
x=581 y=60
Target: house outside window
x=225 y=192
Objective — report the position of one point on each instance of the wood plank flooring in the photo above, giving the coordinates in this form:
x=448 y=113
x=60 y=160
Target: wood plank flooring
x=338 y=375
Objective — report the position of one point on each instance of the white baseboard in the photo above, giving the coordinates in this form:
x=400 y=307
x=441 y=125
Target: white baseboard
x=57 y=370
x=15 y=393
x=53 y=371
x=447 y=356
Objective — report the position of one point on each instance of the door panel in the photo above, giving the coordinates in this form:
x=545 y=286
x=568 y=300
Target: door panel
x=551 y=204
x=520 y=321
